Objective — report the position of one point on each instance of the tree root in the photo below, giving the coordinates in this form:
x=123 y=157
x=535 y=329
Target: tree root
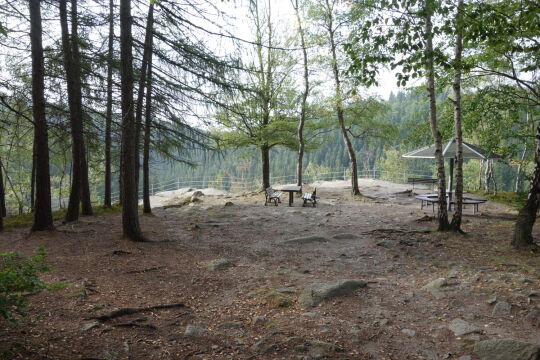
x=128 y=311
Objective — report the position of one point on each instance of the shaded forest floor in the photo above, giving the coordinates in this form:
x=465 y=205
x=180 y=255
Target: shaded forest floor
x=247 y=306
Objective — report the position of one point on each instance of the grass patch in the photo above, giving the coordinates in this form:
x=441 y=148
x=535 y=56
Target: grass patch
x=25 y=220
x=512 y=199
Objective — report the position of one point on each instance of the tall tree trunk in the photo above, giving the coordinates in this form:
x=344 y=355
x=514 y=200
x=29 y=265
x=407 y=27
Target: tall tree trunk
x=85 y=182
x=526 y=218
x=33 y=177
x=147 y=134
x=456 y=218
x=80 y=185
x=443 y=212
x=142 y=81
x=265 y=158
x=108 y=117
x=303 y=106
x=43 y=219
x=2 y=199
x=130 y=216
x=339 y=101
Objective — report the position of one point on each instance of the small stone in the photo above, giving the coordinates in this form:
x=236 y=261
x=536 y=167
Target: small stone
x=345 y=237
x=386 y=244
x=534 y=293
x=259 y=320
x=384 y=322
x=453 y=273
x=465 y=357
x=193 y=330
x=408 y=332
x=492 y=300
x=501 y=308
x=310 y=315
x=455 y=303
x=460 y=327
x=219 y=264
x=91 y=325
x=406 y=242
x=228 y=203
x=230 y=325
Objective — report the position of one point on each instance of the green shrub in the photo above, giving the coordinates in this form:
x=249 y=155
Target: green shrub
x=18 y=277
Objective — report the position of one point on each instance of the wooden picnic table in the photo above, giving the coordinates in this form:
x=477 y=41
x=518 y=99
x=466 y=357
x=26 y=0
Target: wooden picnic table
x=291 y=189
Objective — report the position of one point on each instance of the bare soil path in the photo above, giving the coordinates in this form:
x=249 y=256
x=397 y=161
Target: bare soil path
x=246 y=305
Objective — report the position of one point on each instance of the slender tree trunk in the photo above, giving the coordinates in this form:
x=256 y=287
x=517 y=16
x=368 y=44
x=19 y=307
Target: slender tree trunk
x=522 y=236
x=519 y=172
x=443 y=212
x=142 y=81
x=130 y=216
x=265 y=157
x=456 y=219
x=108 y=117
x=80 y=184
x=43 y=219
x=147 y=133
x=303 y=106
x=339 y=101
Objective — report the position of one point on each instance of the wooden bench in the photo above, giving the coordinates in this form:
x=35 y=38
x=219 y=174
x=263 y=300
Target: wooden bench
x=310 y=197
x=272 y=196
x=414 y=181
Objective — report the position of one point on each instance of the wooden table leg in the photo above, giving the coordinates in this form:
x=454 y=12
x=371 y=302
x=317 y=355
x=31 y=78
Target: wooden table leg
x=290 y=198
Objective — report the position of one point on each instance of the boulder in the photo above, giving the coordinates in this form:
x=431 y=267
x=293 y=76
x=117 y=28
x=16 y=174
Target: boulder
x=506 y=350
x=501 y=308
x=314 y=294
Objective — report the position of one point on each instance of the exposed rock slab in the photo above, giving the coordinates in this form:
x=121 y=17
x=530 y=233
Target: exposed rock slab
x=305 y=240
x=506 y=350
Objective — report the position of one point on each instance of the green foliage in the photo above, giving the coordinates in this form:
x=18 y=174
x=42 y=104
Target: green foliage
x=515 y=200
x=17 y=277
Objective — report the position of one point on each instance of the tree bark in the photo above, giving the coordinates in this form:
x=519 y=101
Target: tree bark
x=339 y=101
x=43 y=219
x=2 y=198
x=85 y=182
x=456 y=218
x=147 y=134
x=265 y=157
x=107 y=201
x=80 y=189
x=147 y=51
x=130 y=216
x=522 y=236
x=303 y=106
x=443 y=212
x=33 y=178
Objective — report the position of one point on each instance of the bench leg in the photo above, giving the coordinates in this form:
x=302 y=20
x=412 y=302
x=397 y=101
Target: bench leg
x=290 y=198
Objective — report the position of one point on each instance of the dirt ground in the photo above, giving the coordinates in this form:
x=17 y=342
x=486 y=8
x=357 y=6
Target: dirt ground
x=249 y=308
